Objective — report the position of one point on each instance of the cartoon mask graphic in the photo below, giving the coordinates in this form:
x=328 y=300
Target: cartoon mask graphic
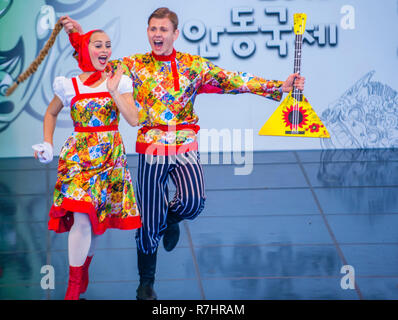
x=18 y=22
x=365 y=116
x=28 y=25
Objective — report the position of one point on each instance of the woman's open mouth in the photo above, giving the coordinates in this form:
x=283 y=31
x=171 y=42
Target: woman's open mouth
x=103 y=60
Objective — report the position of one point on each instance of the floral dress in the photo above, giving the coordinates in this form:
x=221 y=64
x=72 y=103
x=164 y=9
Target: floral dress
x=165 y=89
x=93 y=175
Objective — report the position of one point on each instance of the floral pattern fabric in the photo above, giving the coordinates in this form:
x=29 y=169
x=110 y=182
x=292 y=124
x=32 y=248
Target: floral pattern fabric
x=93 y=175
x=160 y=104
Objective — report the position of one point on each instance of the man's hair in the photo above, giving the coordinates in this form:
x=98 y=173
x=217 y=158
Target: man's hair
x=164 y=12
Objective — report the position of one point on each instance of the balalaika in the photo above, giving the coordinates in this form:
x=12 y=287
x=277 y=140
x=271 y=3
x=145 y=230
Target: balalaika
x=294 y=116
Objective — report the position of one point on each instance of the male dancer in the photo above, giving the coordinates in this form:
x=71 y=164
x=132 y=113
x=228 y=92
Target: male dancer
x=166 y=83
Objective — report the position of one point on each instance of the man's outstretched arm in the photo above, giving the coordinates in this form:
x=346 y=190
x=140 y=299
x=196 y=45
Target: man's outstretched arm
x=218 y=80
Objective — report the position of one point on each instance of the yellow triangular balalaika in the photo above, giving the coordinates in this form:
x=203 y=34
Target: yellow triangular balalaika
x=294 y=116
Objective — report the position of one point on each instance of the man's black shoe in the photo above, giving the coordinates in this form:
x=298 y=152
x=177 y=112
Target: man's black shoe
x=145 y=292
x=171 y=236
x=146 y=269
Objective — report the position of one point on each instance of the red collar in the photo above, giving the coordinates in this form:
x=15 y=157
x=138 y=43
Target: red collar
x=170 y=57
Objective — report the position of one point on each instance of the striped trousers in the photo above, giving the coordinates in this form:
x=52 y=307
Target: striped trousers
x=152 y=193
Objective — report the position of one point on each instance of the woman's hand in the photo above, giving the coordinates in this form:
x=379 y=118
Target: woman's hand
x=44 y=152
x=124 y=102
x=70 y=25
x=112 y=83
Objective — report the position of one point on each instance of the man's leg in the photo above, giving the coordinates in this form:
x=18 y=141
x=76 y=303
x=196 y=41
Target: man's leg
x=152 y=199
x=189 y=199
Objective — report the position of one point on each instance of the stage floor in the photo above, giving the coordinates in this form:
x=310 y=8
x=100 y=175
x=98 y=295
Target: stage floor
x=282 y=232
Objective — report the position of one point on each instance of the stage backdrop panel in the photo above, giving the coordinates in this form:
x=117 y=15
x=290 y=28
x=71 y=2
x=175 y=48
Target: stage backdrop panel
x=349 y=59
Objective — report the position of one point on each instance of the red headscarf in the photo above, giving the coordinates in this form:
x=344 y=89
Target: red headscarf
x=80 y=43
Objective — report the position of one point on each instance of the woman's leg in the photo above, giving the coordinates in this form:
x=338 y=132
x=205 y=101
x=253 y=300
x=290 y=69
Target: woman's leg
x=93 y=246
x=79 y=240
x=86 y=266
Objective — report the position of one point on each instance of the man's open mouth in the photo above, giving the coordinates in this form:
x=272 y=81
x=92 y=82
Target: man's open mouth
x=158 y=44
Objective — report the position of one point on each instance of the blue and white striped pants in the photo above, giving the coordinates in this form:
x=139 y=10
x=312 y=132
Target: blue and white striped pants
x=152 y=192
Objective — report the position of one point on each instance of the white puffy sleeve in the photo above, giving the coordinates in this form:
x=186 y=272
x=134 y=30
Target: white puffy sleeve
x=59 y=89
x=125 y=84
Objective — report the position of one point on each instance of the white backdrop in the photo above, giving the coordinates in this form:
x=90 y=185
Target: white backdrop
x=350 y=61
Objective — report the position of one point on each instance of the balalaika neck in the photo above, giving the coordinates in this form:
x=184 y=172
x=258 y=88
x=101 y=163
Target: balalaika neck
x=297 y=94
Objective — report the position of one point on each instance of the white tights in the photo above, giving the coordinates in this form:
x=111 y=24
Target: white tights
x=81 y=240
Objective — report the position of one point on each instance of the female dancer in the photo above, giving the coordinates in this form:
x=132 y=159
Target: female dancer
x=93 y=191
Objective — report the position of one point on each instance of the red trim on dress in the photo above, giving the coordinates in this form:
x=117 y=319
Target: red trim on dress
x=81 y=96
x=97 y=129
x=75 y=86
x=61 y=218
x=88 y=95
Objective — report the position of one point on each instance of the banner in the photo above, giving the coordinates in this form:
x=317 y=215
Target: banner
x=349 y=59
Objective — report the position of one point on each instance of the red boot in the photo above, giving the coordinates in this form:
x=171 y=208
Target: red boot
x=74 y=283
x=86 y=265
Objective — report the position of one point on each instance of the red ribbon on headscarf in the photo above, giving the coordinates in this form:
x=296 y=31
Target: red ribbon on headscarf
x=80 y=43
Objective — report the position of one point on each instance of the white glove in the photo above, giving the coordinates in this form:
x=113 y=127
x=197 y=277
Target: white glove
x=44 y=152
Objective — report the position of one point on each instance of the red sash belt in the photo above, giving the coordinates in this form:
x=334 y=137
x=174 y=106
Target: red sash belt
x=177 y=127
x=165 y=149
x=97 y=129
